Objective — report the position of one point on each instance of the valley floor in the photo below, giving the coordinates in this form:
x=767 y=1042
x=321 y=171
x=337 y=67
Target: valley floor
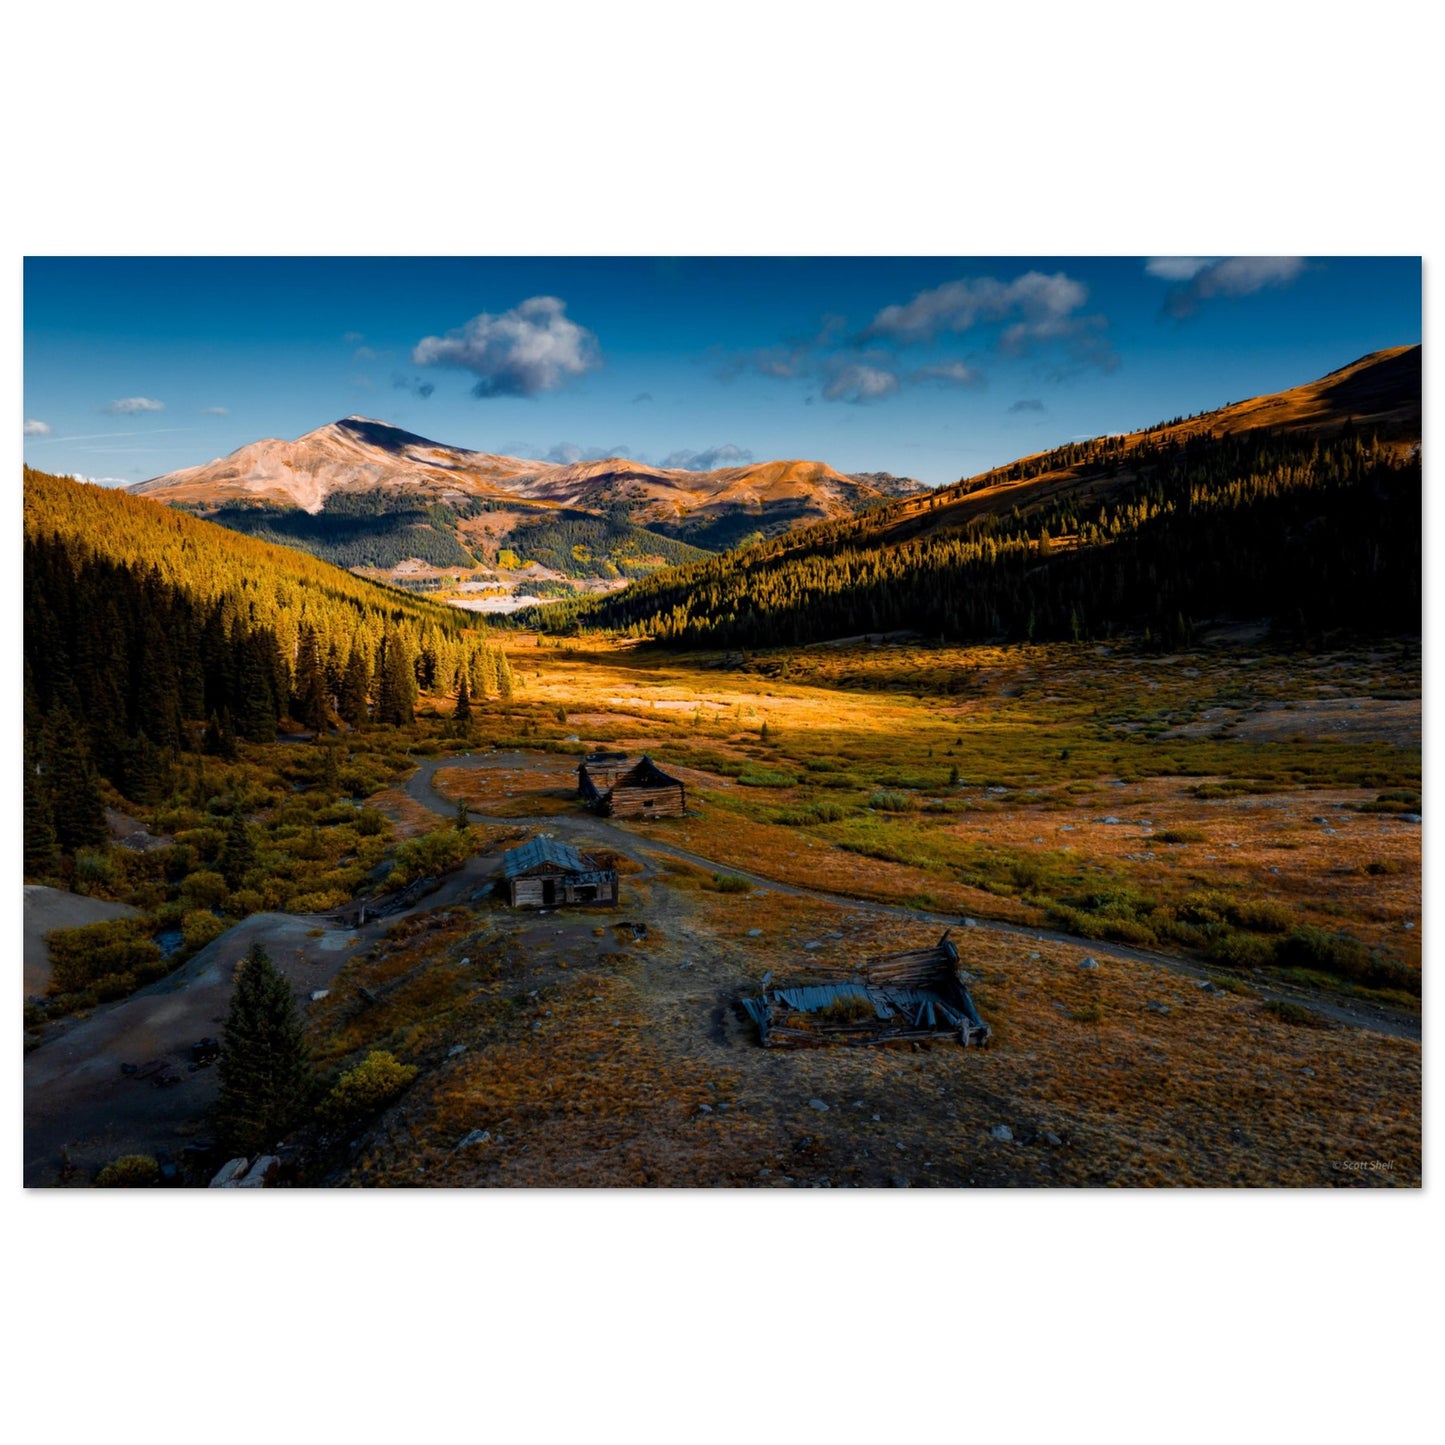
x=1178 y=820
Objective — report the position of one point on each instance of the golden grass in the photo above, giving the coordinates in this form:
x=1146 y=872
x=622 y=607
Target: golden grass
x=610 y=1049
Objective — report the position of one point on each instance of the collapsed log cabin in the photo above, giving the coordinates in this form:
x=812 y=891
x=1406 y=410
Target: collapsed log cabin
x=617 y=788
x=901 y=998
x=548 y=874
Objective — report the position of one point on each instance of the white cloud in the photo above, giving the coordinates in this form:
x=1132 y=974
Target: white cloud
x=567 y=453
x=710 y=460
x=1177 y=268
x=1244 y=275
x=132 y=406
x=215 y=411
x=958 y=306
x=35 y=428
x=1232 y=276
x=534 y=347
x=858 y=381
x=949 y=373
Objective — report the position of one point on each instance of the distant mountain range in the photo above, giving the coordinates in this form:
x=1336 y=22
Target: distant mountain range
x=1301 y=508
x=361 y=476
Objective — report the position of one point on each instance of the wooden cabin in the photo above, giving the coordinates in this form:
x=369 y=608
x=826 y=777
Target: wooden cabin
x=599 y=771
x=621 y=789
x=900 y=998
x=548 y=874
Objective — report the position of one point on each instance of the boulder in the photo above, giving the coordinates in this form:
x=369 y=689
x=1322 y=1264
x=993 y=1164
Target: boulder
x=228 y=1173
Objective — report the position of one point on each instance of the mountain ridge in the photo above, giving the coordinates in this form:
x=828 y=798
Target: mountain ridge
x=359 y=453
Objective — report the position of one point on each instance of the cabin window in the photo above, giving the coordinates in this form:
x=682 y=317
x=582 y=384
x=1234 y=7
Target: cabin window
x=647 y=802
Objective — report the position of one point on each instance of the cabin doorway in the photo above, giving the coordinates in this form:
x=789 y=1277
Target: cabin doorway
x=549 y=892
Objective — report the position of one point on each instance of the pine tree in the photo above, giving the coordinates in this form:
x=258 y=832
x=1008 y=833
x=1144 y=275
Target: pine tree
x=506 y=685
x=463 y=709
x=463 y=817
x=265 y=1072
x=238 y=853
x=220 y=738
x=76 y=809
x=257 y=702
x=311 y=699
x=39 y=833
x=396 y=691
x=354 y=685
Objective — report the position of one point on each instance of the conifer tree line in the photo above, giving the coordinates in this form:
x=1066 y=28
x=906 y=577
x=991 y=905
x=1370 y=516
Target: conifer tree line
x=1157 y=536
x=146 y=632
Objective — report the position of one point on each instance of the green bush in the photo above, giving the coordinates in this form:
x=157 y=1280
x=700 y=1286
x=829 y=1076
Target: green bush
x=204 y=890
x=378 y=1078
x=1262 y=916
x=752 y=777
x=201 y=927
x=101 y=956
x=729 y=883
x=430 y=853
x=95 y=871
x=1293 y=1013
x=322 y=901
x=370 y=822
x=130 y=1171
x=1241 y=950
x=1335 y=953
x=884 y=801
x=1178 y=835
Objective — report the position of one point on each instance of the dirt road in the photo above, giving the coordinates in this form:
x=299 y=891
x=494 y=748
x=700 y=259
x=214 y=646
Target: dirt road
x=588 y=829
x=78 y=1101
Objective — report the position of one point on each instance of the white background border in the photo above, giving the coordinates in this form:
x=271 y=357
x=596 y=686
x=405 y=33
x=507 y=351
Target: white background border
x=648 y=129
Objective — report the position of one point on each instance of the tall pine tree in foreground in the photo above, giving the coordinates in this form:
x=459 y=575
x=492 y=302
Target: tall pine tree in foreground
x=265 y=1071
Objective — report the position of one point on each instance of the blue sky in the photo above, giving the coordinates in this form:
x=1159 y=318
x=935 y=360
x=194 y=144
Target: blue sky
x=935 y=368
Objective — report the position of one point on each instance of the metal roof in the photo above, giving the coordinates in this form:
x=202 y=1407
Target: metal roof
x=543 y=850
x=647 y=774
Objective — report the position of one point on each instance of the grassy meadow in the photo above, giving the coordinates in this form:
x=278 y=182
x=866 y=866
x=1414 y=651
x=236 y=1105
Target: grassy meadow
x=1247 y=809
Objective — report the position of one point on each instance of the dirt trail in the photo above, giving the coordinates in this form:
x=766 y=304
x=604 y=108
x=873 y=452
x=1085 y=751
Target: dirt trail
x=588 y=828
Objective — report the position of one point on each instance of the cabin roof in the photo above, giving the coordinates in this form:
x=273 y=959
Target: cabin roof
x=646 y=774
x=541 y=851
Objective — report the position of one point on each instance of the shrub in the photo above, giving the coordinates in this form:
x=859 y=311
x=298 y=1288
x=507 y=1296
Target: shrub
x=851 y=1008
x=1297 y=1014
x=884 y=801
x=1241 y=950
x=430 y=853
x=823 y=812
x=1384 y=868
x=378 y=1078
x=1262 y=915
x=1178 y=835
x=204 y=890
x=1334 y=953
x=320 y=902
x=130 y=1171
x=95 y=871
x=101 y=956
x=199 y=927
x=752 y=777
x=729 y=883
